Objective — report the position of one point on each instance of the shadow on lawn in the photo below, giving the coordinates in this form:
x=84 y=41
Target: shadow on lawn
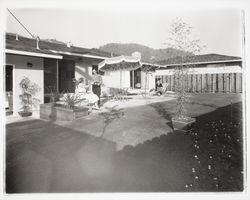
x=112 y=114
x=163 y=112
x=44 y=157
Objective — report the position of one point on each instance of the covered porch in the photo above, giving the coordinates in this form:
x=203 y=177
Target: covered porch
x=128 y=72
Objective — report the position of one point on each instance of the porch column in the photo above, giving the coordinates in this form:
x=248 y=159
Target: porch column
x=57 y=76
x=133 y=79
x=120 y=78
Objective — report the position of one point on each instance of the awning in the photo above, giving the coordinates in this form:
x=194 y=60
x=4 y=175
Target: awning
x=119 y=63
x=126 y=63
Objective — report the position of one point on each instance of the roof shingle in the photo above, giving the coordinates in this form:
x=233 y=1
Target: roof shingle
x=47 y=47
x=206 y=58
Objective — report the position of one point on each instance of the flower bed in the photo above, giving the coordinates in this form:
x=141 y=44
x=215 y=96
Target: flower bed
x=218 y=155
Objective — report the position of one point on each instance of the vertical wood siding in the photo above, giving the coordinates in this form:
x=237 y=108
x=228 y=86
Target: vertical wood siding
x=204 y=83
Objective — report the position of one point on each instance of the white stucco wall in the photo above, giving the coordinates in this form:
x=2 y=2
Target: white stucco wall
x=112 y=79
x=20 y=70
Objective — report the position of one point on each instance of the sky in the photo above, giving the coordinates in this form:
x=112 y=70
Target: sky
x=220 y=30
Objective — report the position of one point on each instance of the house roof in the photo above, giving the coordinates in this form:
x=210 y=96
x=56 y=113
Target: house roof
x=199 y=59
x=51 y=47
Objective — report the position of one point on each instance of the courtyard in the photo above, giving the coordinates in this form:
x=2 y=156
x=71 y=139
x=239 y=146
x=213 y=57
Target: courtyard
x=129 y=146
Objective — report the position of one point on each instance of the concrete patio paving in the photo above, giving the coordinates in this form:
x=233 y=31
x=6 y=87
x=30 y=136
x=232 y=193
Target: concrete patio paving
x=136 y=125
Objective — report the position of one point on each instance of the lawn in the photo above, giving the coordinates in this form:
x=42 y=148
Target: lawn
x=217 y=138
x=131 y=150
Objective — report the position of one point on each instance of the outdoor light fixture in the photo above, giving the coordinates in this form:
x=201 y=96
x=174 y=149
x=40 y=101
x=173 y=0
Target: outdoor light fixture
x=29 y=65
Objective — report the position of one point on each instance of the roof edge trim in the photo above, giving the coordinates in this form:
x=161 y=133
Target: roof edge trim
x=26 y=53
x=205 y=62
x=78 y=54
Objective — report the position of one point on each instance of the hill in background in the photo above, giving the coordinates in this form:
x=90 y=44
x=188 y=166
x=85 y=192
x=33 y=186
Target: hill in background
x=147 y=54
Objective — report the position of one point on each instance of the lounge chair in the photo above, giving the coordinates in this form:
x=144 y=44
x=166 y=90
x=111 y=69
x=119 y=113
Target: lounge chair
x=162 y=90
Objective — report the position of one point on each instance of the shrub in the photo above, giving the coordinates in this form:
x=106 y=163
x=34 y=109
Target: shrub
x=29 y=90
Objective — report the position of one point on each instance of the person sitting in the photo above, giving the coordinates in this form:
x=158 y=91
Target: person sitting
x=85 y=93
x=92 y=99
x=158 y=87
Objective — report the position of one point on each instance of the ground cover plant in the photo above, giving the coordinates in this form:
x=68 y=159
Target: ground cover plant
x=218 y=151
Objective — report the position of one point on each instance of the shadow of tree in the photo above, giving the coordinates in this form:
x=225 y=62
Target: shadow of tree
x=111 y=115
x=159 y=107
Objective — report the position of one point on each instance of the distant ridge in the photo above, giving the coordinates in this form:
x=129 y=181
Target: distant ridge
x=148 y=54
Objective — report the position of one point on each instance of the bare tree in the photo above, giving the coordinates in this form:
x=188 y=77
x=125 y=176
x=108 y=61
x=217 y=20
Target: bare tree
x=181 y=38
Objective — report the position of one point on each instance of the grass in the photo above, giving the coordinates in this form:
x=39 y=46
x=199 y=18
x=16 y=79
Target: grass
x=218 y=151
x=217 y=137
x=44 y=157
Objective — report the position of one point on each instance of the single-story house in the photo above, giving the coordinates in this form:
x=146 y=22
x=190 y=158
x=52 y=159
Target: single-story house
x=52 y=65
x=128 y=72
x=48 y=63
x=207 y=73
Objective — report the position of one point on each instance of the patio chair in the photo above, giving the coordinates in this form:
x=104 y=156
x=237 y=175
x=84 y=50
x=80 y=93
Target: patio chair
x=162 y=90
x=165 y=87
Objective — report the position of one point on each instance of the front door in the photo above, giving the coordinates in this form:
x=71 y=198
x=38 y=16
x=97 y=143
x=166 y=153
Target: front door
x=8 y=78
x=137 y=78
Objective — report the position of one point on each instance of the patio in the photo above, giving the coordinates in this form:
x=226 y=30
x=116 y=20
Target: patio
x=121 y=148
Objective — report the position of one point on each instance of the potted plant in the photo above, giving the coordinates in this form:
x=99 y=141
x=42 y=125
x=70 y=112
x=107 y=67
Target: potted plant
x=186 y=47
x=181 y=120
x=66 y=110
x=29 y=90
x=69 y=110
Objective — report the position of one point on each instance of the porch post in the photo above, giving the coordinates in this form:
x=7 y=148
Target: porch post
x=120 y=78
x=133 y=79
x=57 y=76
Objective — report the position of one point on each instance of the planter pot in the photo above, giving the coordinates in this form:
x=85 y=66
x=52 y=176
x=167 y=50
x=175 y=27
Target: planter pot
x=182 y=125
x=51 y=111
x=25 y=113
x=66 y=114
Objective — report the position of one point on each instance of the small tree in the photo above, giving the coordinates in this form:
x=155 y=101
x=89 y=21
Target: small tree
x=29 y=90
x=181 y=39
